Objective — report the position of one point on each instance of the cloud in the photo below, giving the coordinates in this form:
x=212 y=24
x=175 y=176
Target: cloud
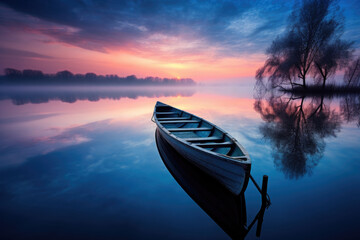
x=28 y=118
x=150 y=27
x=176 y=29
x=7 y=52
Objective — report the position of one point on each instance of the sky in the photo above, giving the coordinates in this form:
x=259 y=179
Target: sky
x=208 y=41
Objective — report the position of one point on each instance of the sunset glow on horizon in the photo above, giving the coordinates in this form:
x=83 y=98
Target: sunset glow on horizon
x=217 y=42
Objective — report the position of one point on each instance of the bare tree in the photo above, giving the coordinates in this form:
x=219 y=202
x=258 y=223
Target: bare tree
x=352 y=73
x=331 y=57
x=314 y=28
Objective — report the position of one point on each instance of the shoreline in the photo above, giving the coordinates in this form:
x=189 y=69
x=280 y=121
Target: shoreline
x=331 y=90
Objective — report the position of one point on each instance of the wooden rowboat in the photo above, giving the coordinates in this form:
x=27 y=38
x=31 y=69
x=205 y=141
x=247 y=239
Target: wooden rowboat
x=226 y=209
x=207 y=146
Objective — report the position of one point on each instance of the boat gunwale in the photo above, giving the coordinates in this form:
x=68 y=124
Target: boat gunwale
x=237 y=159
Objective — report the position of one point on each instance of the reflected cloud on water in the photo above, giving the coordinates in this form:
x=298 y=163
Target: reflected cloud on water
x=112 y=131
x=80 y=188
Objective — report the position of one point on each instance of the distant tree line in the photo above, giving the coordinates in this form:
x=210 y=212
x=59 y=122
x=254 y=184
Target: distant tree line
x=29 y=76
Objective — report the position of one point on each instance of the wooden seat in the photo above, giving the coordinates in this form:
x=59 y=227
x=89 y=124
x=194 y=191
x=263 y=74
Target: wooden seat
x=214 y=145
x=165 y=113
x=174 y=118
x=188 y=129
x=179 y=121
x=202 y=139
x=241 y=158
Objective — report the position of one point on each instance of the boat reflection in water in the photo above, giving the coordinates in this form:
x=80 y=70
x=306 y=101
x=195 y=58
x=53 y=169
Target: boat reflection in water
x=226 y=209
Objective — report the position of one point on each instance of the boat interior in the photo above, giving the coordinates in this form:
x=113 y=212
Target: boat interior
x=197 y=131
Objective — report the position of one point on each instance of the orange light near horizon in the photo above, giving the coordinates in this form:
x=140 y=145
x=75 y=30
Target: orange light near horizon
x=200 y=66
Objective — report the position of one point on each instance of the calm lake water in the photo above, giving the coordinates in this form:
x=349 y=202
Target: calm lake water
x=83 y=163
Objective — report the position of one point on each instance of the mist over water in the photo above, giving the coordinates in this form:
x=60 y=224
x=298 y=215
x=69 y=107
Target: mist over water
x=83 y=163
x=42 y=94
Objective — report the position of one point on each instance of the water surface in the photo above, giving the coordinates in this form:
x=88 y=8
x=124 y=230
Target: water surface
x=83 y=163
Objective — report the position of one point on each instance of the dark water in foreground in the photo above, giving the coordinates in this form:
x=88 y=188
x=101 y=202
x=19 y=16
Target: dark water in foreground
x=84 y=164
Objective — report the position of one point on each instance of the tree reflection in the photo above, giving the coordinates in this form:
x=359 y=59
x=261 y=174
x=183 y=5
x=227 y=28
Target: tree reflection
x=350 y=108
x=296 y=128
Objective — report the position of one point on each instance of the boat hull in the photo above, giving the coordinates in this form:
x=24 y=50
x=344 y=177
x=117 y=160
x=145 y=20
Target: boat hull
x=231 y=174
x=226 y=209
